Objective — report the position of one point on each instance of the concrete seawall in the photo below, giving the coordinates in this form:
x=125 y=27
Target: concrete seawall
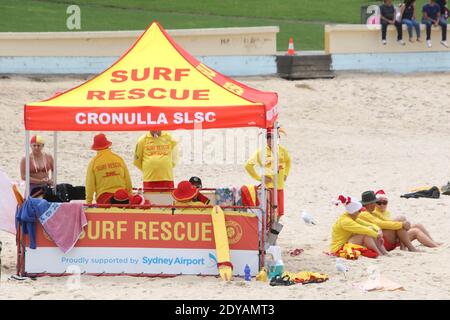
x=359 y=48
x=232 y=51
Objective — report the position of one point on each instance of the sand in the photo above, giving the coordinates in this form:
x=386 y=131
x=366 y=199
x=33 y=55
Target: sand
x=346 y=135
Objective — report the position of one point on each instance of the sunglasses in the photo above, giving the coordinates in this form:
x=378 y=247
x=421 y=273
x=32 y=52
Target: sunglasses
x=35 y=145
x=382 y=203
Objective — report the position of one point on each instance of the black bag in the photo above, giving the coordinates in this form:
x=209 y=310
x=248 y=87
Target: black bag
x=78 y=193
x=63 y=192
x=66 y=192
x=432 y=193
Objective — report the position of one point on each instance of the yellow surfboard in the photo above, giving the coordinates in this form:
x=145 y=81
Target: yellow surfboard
x=222 y=246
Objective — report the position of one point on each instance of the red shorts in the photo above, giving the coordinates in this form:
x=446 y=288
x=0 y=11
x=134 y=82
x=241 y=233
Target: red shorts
x=280 y=202
x=105 y=198
x=389 y=246
x=158 y=186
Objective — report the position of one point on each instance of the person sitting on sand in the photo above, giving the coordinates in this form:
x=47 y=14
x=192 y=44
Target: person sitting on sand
x=348 y=229
x=41 y=164
x=106 y=173
x=394 y=232
x=186 y=194
x=416 y=232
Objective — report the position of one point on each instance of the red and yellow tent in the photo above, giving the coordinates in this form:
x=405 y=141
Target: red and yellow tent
x=154 y=85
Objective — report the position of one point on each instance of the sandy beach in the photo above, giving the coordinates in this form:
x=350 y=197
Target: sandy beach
x=353 y=133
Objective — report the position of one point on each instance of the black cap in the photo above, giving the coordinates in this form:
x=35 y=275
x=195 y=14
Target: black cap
x=196 y=181
x=368 y=197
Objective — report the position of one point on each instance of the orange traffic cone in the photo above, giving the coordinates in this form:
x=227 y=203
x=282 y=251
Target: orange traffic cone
x=291 y=47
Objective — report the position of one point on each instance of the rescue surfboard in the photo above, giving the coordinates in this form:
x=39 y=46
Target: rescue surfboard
x=222 y=247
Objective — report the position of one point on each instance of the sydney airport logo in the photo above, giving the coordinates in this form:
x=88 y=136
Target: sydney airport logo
x=170 y=261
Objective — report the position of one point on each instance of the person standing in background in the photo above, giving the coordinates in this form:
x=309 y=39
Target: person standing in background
x=156 y=154
x=284 y=166
x=106 y=173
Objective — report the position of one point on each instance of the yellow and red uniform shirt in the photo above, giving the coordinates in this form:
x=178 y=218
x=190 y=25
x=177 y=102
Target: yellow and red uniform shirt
x=345 y=227
x=156 y=157
x=107 y=172
x=284 y=166
x=382 y=215
x=382 y=222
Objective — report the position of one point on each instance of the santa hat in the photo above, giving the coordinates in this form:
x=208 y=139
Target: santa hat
x=380 y=194
x=351 y=206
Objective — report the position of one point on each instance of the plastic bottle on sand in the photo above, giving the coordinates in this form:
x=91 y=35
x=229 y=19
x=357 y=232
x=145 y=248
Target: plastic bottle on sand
x=247 y=275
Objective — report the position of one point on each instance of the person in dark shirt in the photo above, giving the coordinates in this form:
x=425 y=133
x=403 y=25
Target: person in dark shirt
x=387 y=17
x=443 y=5
x=408 y=14
x=432 y=17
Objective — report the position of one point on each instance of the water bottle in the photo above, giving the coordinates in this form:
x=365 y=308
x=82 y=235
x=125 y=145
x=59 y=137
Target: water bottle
x=247 y=275
x=279 y=267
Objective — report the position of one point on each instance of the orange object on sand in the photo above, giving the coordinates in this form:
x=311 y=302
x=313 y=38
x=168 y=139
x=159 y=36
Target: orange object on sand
x=291 y=51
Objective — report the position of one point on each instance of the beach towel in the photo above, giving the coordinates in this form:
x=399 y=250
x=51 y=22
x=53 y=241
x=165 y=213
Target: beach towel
x=8 y=204
x=27 y=215
x=64 y=222
x=381 y=283
x=432 y=193
x=225 y=197
x=249 y=195
x=305 y=277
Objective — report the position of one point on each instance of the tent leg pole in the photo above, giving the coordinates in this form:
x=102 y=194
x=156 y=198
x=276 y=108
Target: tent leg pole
x=263 y=203
x=27 y=164
x=55 y=158
x=275 y=170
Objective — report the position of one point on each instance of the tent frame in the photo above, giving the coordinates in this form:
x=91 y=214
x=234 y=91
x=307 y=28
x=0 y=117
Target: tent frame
x=263 y=203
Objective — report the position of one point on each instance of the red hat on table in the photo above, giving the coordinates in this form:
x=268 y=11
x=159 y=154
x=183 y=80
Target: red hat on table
x=137 y=199
x=185 y=191
x=121 y=195
x=100 y=142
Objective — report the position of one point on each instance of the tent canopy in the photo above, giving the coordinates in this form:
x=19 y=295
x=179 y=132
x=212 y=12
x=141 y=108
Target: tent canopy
x=155 y=85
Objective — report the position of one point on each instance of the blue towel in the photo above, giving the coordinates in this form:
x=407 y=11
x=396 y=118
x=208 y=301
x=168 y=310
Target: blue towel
x=27 y=215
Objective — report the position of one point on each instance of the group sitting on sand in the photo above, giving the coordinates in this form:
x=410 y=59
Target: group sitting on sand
x=368 y=223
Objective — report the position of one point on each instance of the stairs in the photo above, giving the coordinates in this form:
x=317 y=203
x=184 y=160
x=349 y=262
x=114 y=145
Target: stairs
x=305 y=67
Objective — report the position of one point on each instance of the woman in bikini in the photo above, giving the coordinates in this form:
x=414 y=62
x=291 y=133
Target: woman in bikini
x=41 y=164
